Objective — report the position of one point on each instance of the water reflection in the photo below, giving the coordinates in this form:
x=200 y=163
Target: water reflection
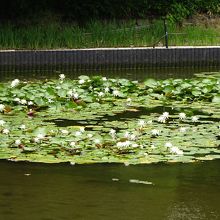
x=192 y=209
x=43 y=72
x=180 y=191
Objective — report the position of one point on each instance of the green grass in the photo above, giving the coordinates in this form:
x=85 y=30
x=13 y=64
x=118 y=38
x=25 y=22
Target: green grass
x=103 y=34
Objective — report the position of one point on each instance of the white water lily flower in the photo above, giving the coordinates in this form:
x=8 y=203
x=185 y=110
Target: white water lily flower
x=176 y=150
x=127 y=134
x=161 y=119
x=22 y=127
x=70 y=93
x=166 y=115
x=195 y=119
x=112 y=132
x=17 y=142
x=123 y=144
x=182 y=115
x=65 y=132
x=30 y=103
x=134 y=145
x=129 y=101
x=58 y=87
x=168 y=144
x=78 y=133
x=72 y=143
x=104 y=78
x=40 y=136
x=15 y=82
x=133 y=137
x=62 y=76
x=17 y=99
x=116 y=93
x=149 y=122
x=75 y=95
x=23 y=101
x=2 y=107
x=120 y=144
x=126 y=164
x=50 y=100
x=145 y=154
x=127 y=143
x=36 y=140
x=81 y=81
x=97 y=141
x=141 y=123
x=106 y=89
x=155 y=132
x=101 y=94
x=2 y=122
x=5 y=131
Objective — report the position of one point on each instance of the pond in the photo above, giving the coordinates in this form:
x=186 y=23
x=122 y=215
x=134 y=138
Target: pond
x=61 y=191
x=178 y=191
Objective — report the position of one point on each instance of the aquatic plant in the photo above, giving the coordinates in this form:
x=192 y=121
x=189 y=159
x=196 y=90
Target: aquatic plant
x=81 y=121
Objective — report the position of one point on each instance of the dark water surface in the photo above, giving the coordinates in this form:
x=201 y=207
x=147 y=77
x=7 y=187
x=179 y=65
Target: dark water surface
x=31 y=191
x=62 y=191
x=133 y=74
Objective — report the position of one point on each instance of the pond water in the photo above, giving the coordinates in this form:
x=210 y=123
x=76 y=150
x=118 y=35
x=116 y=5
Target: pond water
x=61 y=191
x=9 y=73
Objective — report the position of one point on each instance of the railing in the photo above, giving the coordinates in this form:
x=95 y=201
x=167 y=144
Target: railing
x=137 y=28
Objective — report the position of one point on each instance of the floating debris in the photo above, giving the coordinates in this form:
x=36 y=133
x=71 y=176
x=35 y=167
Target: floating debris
x=140 y=182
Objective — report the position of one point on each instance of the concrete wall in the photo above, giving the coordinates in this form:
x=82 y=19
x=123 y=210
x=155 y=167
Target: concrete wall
x=113 y=58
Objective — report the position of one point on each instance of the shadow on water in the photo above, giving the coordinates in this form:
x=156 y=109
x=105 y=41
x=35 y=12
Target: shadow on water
x=140 y=74
x=133 y=114
x=41 y=191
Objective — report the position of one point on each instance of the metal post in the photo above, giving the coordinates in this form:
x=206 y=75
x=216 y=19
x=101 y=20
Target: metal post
x=166 y=33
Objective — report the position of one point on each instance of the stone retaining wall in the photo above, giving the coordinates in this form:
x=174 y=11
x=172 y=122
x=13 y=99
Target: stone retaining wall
x=113 y=58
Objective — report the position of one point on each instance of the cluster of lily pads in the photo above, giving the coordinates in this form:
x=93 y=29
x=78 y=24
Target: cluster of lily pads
x=96 y=119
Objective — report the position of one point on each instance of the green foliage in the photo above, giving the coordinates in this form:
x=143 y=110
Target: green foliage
x=185 y=89
x=95 y=119
x=178 y=12
x=107 y=9
x=103 y=34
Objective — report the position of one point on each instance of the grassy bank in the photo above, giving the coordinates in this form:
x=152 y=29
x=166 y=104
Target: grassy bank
x=107 y=34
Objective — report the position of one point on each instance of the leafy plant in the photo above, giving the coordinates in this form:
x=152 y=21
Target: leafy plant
x=95 y=119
